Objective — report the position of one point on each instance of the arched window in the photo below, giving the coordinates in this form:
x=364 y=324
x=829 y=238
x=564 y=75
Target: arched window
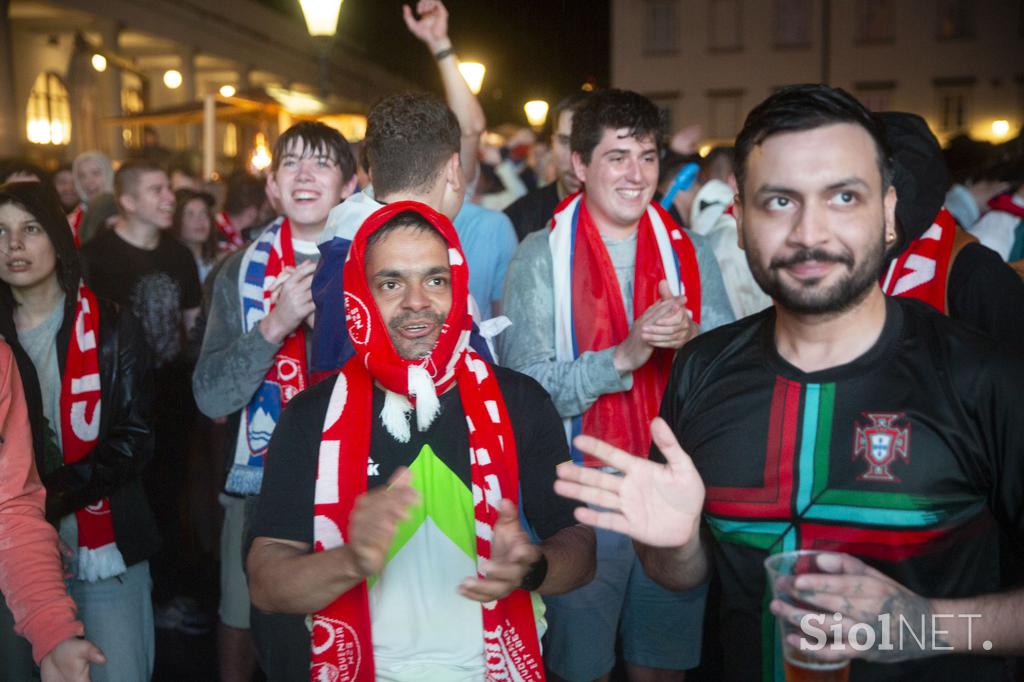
x=48 y=115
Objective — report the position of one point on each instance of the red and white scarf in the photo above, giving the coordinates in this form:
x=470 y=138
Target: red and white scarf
x=922 y=270
x=75 y=222
x=590 y=314
x=80 y=409
x=233 y=239
x=342 y=647
x=262 y=265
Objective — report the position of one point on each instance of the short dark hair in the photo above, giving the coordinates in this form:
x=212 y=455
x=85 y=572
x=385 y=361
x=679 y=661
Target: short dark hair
x=126 y=179
x=316 y=138
x=796 y=108
x=244 y=190
x=408 y=140
x=613 y=109
x=718 y=159
x=19 y=166
x=571 y=102
x=406 y=219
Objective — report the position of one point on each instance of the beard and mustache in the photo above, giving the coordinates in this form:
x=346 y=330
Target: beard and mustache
x=806 y=297
x=415 y=349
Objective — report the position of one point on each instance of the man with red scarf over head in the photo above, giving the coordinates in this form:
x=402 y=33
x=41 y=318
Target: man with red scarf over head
x=600 y=303
x=407 y=504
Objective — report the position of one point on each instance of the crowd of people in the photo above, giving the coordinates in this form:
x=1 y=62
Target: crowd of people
x=458 y=412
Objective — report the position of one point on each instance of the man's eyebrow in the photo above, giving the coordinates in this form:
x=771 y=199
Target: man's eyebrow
x=436 y=270
x=777 y=189
x=847 y=182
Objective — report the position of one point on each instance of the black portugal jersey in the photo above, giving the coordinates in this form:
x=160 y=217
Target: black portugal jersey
x=910 y=457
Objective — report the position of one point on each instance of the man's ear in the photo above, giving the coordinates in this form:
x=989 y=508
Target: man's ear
x=349 y=187
x=579 y=167
x=889 y=202
x=272 y=187
x=453 y=173
x=126 y=202
x=737 y=211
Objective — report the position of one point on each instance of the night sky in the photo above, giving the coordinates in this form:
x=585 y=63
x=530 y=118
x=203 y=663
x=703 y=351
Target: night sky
x=533 y=49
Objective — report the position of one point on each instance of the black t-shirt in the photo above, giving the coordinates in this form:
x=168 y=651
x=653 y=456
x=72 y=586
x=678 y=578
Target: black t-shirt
x=911 y=458
x=987 y=294
x=155 y=285
x=534 y=210
x=285 y=506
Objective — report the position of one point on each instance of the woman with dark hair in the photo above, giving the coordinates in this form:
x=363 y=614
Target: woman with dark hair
x=85 y=368
x=193 y=227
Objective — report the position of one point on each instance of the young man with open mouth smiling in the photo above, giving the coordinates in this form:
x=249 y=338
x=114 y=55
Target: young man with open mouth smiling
x=599 y=305
x=255 y=353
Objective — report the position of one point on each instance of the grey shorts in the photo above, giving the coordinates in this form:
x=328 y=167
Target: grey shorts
x=659 y=628
x=234 y=588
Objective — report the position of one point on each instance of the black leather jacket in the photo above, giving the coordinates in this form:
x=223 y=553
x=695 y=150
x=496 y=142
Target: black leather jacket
x=114 y=467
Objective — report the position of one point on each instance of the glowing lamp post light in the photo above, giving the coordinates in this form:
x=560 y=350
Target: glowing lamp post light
x=172 y=79
x=473 y=72
x=322 y=23
x=1000 y=128
x=260 y=158
x=536 y=112
x=321 y=16
x=227 y=91
x=99 y=62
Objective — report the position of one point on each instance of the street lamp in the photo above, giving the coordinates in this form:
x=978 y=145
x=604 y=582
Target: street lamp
x=322 y=23
x=227 y=91
x=99 y=62
x=172 y=79
x=321 y=16
x=536 y=112
x=473 y=72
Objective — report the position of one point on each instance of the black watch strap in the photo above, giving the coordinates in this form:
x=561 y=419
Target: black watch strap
x=534 y=578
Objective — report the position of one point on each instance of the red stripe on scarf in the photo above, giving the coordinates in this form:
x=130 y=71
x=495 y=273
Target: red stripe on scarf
x=289 y=370
x=75 y=223
x=922 y=270
x=342 y=647
x=599 y=319
x=231 y=233
x=80 y=410
x=1005 y=203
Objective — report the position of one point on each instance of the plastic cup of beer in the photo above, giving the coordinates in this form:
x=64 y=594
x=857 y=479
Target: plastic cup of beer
x=782 y=571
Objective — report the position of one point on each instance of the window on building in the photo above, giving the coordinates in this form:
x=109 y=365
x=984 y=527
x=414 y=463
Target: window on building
x=661 y=34
x=725 y=25
x=876 y=96
x=955 y=19
x=874 y=21
x=48 y=114
x=792 y=23
x=132 y=102
x=666 y=102
x=953 y=104
x=725 y=113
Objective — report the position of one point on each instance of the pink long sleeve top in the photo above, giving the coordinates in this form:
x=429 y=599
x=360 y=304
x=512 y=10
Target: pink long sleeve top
x=31 y=575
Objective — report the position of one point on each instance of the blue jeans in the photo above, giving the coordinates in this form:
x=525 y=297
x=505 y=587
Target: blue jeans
x=118 y=617
x=659 y=628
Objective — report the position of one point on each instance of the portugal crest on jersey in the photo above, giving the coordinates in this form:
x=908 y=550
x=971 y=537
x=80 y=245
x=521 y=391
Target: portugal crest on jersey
x=881 y=443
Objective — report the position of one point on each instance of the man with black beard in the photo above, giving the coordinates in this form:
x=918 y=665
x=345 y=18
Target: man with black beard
x=837 y=420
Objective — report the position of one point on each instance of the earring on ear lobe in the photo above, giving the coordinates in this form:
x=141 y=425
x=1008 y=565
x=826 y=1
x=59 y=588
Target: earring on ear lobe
x=889 y=237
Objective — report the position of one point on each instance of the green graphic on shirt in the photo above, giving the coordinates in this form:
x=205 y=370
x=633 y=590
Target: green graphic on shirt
x=445 y=499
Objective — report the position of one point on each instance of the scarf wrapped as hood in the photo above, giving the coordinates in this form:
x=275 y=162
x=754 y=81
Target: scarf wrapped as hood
x=341 y=638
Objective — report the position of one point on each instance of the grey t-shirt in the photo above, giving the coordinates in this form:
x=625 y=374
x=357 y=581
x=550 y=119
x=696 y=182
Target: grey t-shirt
x=40 y=343
x=622 y=253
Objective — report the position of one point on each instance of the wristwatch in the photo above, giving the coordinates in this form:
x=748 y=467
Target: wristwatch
x=534 y=578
